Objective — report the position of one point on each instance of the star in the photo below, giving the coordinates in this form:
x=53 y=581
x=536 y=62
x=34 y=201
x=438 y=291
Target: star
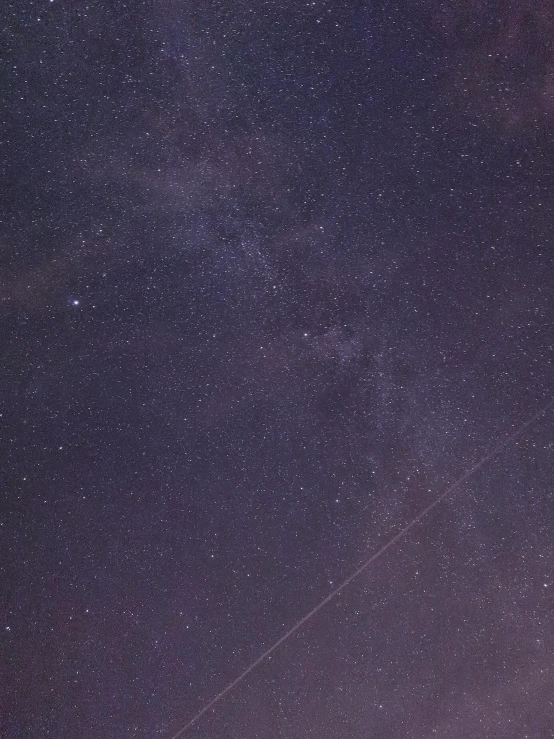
x=245 y=248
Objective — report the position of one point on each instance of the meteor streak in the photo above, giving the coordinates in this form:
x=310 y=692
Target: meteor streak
x=454 y=487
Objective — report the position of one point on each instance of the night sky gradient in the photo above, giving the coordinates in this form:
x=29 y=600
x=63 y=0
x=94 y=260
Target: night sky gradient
x=273 y=275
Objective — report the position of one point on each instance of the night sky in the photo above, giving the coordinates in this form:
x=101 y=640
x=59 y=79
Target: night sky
x=273 y=275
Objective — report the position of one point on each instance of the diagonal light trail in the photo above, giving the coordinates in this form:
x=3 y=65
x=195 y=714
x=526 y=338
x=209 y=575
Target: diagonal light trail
x=298 y=625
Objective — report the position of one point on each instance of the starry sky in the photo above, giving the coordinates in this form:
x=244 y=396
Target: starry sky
x=273 y=275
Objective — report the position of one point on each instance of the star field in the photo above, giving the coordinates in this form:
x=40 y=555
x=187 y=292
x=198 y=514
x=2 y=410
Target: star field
x=273 y=276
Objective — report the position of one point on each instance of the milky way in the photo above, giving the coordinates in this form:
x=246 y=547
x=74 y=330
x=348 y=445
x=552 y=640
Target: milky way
x=273 y=277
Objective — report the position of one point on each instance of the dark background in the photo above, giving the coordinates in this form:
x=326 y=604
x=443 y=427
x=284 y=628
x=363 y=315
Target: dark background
x=273 y=275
